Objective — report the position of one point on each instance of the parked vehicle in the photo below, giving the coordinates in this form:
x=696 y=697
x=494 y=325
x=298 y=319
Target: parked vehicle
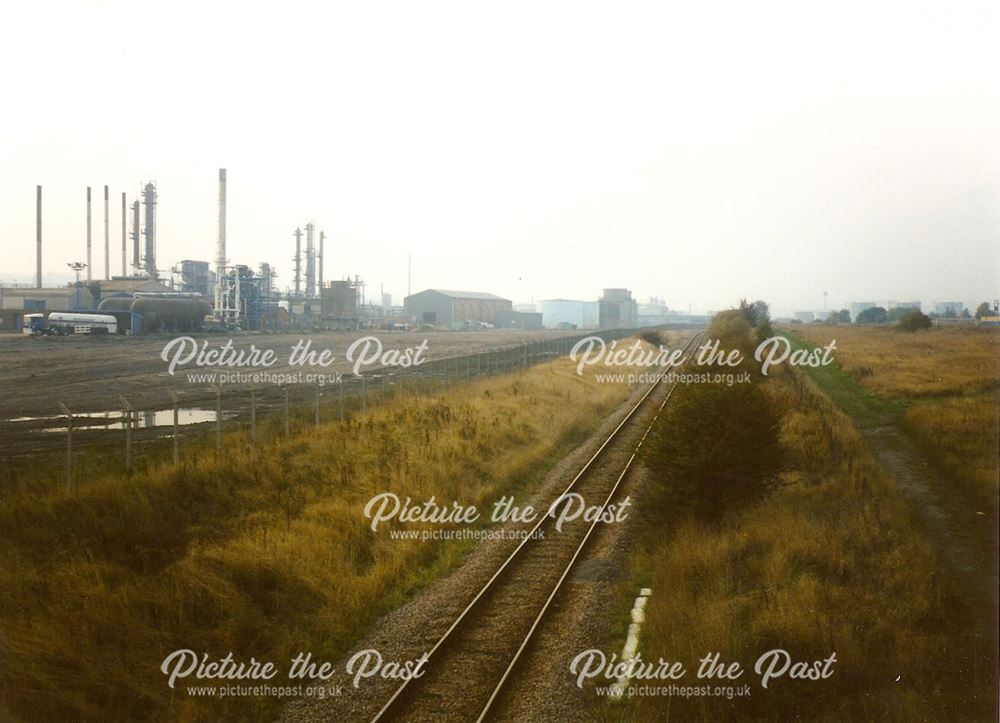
x=64 y=322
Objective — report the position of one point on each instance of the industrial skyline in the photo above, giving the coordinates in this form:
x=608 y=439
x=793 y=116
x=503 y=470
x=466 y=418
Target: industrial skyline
x=635 y=158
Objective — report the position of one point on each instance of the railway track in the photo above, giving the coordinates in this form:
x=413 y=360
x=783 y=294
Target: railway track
x=469 y=666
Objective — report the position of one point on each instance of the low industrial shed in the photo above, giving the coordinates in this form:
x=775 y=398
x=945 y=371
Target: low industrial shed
x=455 y=309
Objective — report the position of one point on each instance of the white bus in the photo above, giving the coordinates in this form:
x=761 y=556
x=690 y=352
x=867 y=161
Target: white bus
x=84 y=323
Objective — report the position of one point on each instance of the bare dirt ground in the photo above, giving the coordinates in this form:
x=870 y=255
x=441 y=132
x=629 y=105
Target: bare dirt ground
x=88 y=373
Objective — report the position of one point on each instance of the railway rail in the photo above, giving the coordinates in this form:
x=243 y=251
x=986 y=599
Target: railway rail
x=491 y=634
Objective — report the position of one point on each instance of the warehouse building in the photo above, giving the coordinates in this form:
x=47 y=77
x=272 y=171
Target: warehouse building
x=568 y=314
x=948 y=308
x=527 y=320
x=856 y=307
x=455 y=309
x=18 y=300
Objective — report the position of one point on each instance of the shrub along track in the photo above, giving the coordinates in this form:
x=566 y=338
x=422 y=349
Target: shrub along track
x=469 y=665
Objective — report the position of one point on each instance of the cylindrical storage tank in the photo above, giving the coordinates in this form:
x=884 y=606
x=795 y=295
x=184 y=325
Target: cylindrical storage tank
x=115 y=303
x=166 y=314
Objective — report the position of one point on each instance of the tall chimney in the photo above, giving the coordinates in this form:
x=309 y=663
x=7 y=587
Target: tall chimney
x=136 y=258
x=124 y=236
x=298 y=261
x=220 y=245
x=149 y=199
x=89 y=265
x=310 y=261
x=322 y=237
x=38 y=236
x=107 y=239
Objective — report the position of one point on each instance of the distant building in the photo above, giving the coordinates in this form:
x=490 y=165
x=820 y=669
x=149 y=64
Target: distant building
x=856 y=307
x=338 y=305
x=903 y=305
x=563 y=313
x=18 y=300
x=948 y=308
x=129 y=285
x=806 y=317
x=618 y=310
x=519 y=320
x=454 y=309
x=654 y=312
x=196 y=277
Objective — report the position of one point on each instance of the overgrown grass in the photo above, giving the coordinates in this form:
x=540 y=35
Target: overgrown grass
x=962 y=435
x=941 y=385
x=263 y=552
x=831 y=562
x=937 y=362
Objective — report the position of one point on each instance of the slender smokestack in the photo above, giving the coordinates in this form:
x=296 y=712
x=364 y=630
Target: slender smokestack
x=310 y=261
x=136 y=259
x=322 y=237
x=124 y=236
x=220 y=246
x=149 y=198
x=88 y=235
x=107 y=239
x=298 y=261
x=38 y=236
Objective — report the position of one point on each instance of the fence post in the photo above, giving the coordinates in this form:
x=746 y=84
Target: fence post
x=69 y=446
x=364 y=396
x=218 y=417
x=316 y=407
x=127 y=423
x=341 y=385
x=287 y=428
x=253 y=417
x=177 y=451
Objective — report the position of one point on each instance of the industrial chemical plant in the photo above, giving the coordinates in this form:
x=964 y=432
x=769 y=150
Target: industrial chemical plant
x=192 y=294
x=198 y=295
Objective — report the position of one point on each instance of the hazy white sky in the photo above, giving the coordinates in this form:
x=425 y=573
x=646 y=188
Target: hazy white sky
x=696 y=151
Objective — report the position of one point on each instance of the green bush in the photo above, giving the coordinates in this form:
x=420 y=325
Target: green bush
x=717 y=448
x=914 y=321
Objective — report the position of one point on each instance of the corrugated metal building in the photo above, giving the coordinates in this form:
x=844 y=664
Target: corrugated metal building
x=454 y=309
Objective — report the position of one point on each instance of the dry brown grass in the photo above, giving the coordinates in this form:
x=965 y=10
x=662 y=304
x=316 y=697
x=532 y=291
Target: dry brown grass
x=936 y=362
x=948 y=379
x=961 y=434
x=829 y=563
x=263 y=553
